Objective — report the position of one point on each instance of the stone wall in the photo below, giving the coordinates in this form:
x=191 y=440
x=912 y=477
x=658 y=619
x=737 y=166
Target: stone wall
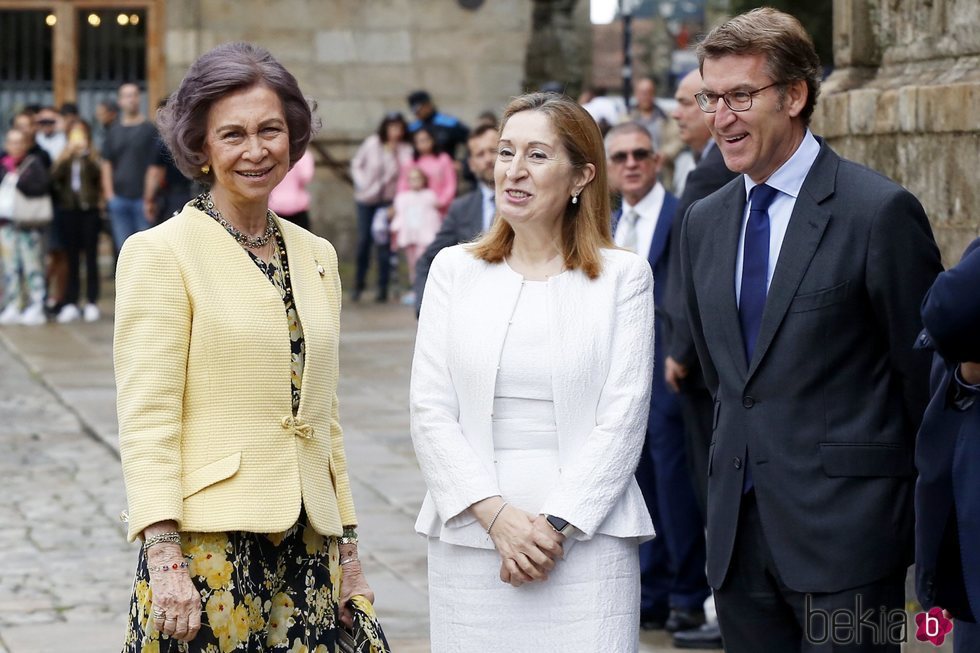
x=360 y=58
x=903 y=100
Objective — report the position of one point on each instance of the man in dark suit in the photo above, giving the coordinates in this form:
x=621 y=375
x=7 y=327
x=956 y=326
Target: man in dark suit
x=469 y=215
x=672 y=582
x=681 y=368
x=803 y=280
x=947 y=495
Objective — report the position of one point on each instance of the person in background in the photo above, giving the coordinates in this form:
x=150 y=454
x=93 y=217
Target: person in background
x=437 y=166
x=947 y=454
x=50 y=133
x=21 y=243
x=606 y=111
x=672 y=582
x=24 y=121
x=417 y=219
x=69 y=111
x=375 y=169
x=290 y=199
x=448 y=131
x=128 y=151
x=51 y=136
x=529 y=397
x=469 y=215
x=662 y=130
x=225 y=353
x=165 y=188
x=106 y=115
x=77 y=186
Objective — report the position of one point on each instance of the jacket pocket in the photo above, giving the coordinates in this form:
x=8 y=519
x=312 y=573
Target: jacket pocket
x=866 y=459
x=812 y=301
x=211 y=473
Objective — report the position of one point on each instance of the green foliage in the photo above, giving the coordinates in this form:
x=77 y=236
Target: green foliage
x=816 y=16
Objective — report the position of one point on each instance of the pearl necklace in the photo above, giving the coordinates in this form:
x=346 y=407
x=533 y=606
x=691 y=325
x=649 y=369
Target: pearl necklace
x=243 y=239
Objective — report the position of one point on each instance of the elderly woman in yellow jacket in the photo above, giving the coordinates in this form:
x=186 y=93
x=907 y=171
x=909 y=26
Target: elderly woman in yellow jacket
x=227 y=324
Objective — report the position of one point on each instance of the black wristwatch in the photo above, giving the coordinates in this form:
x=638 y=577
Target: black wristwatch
x=560 y=525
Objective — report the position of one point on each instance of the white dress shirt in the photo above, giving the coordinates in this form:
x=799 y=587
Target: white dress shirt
x=648 y=209
x=788 y=180
x=489 y=205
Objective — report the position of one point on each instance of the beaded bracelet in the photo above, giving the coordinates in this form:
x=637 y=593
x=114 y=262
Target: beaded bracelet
x=173 y=537
x=171 y=567
x=493 y=521
x=349 y=535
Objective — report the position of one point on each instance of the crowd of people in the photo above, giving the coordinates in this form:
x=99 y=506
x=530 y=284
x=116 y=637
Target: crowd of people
x=65 y=183
x=666 y=367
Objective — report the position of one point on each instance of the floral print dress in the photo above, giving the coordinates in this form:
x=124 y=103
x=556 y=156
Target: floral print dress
x=259 y=592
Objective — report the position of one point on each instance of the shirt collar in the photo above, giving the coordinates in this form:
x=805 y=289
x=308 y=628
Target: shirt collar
x=485 y=190
x=790 y=176
x=649 y=204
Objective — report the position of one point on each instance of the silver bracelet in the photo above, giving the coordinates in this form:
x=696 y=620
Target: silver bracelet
x=347 y=561
x=497 y=514
x=173 y=537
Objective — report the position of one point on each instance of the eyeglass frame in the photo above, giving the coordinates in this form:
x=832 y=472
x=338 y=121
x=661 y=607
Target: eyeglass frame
x=702 y=99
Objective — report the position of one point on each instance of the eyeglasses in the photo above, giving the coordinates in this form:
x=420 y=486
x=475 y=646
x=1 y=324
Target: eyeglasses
x=736 y=100
x=639 y=155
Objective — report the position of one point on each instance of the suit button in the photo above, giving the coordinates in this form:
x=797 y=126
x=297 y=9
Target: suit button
x=737 y=462
x=748 y=402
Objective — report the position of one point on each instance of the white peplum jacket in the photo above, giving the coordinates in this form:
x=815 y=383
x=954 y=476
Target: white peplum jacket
x=601 y=340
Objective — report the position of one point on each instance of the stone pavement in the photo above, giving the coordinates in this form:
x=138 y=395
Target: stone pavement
x=65 y=566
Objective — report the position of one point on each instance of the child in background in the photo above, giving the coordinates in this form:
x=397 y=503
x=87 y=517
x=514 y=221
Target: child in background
x=76 y=180
x=416 y=222
x=438 y=167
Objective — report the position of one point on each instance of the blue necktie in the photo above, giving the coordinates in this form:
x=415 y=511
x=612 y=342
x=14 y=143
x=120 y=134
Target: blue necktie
x=755 y=273
x=755 y=266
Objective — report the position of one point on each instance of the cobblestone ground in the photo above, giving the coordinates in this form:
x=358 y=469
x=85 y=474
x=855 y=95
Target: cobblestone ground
x=65 y=566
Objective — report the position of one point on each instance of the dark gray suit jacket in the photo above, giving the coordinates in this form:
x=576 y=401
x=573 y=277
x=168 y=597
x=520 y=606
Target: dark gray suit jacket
x=463 y=223
x=826 y=412
x=708 y=176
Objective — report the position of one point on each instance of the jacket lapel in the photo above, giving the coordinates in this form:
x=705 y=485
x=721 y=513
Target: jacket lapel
x=806 y=228
x=721 y=290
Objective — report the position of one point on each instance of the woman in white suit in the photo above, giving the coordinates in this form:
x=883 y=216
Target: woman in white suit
x=530 y=391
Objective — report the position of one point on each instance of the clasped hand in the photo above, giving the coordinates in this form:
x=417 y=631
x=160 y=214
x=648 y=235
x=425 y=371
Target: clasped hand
x=528 y=546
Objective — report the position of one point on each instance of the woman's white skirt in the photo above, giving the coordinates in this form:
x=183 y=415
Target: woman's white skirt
x=589 y=604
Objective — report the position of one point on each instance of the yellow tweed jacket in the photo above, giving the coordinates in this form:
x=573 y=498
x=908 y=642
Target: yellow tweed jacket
x=202 y=362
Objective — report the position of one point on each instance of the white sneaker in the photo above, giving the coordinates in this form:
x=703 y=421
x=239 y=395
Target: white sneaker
x=68 y=313
x=33 y=315
x=10 y=315
x=91 y=313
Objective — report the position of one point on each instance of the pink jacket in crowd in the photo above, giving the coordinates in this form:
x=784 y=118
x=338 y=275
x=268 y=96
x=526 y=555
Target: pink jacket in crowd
x=290 y=196
x=375 y=170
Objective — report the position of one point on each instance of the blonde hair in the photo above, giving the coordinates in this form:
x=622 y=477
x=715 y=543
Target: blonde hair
x=585 y=226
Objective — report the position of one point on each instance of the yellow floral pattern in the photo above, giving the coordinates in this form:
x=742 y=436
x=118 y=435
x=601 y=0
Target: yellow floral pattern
x=259 y=592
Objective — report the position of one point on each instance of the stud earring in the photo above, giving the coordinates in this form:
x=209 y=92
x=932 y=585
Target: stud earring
x=205 y=169
x=574 y=199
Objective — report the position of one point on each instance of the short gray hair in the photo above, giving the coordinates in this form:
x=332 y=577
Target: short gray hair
x=226 y=69
x=631 y=127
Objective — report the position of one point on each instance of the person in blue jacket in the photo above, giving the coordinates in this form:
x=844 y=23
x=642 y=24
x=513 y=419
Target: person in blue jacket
x=947 y=496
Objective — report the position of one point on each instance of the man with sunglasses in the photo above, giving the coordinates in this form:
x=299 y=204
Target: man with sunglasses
x=672 y=581
x=803 y=279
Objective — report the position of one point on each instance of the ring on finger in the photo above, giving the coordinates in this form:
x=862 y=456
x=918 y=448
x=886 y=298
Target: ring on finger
x=158 y=613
